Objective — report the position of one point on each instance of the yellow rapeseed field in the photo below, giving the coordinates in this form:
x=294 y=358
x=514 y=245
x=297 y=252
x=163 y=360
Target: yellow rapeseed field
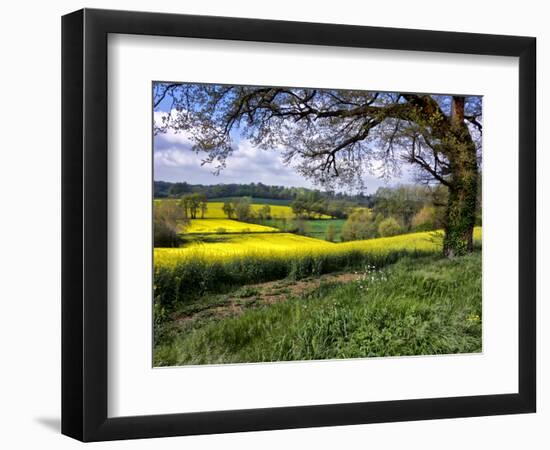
x=265 y=246
x=215 y=210
x=219 y=226
x=228 y=246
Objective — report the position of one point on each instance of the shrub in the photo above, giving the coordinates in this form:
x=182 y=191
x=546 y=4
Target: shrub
x=228 y=209
x=424 y=219
x=389 y=227
x=360 y=225
x=243 y=208
x=264 y=213
x=330 y=233
x=165 y=235
x=168 y=217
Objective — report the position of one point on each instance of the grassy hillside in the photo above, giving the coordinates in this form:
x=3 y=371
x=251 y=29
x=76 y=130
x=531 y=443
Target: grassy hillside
x=420 y=306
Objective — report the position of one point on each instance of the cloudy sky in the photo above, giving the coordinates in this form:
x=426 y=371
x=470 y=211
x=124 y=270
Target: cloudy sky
x=175 y=161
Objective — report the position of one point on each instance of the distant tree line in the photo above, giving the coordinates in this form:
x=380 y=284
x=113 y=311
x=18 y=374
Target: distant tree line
x=165 y=189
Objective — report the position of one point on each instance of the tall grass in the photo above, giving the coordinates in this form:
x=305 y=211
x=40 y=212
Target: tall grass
x=414 y=307
x=183 y=275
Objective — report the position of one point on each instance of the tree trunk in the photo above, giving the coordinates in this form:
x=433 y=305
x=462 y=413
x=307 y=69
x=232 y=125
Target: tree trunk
x=461 y=208
x=460 y=219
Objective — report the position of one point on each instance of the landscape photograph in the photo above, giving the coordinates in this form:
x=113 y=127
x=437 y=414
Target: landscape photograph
x=300 y=224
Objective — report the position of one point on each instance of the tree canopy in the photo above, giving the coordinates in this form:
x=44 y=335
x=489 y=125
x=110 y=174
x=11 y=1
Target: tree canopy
x=333 y=136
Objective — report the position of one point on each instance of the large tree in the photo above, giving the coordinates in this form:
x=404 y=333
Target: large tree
x=335 y=136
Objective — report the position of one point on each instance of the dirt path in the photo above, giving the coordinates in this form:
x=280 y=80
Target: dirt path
x=270 y=292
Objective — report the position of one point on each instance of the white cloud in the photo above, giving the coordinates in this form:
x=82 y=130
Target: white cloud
x=175 y=161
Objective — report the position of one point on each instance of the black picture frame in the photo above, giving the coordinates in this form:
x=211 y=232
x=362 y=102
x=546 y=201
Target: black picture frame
x=84 y=224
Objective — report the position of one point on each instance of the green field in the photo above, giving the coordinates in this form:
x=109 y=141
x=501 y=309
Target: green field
x=319 y=228
x=422 y=306
x=316 y=228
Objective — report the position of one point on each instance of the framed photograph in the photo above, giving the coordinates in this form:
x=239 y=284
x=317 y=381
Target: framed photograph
x=273 y=225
